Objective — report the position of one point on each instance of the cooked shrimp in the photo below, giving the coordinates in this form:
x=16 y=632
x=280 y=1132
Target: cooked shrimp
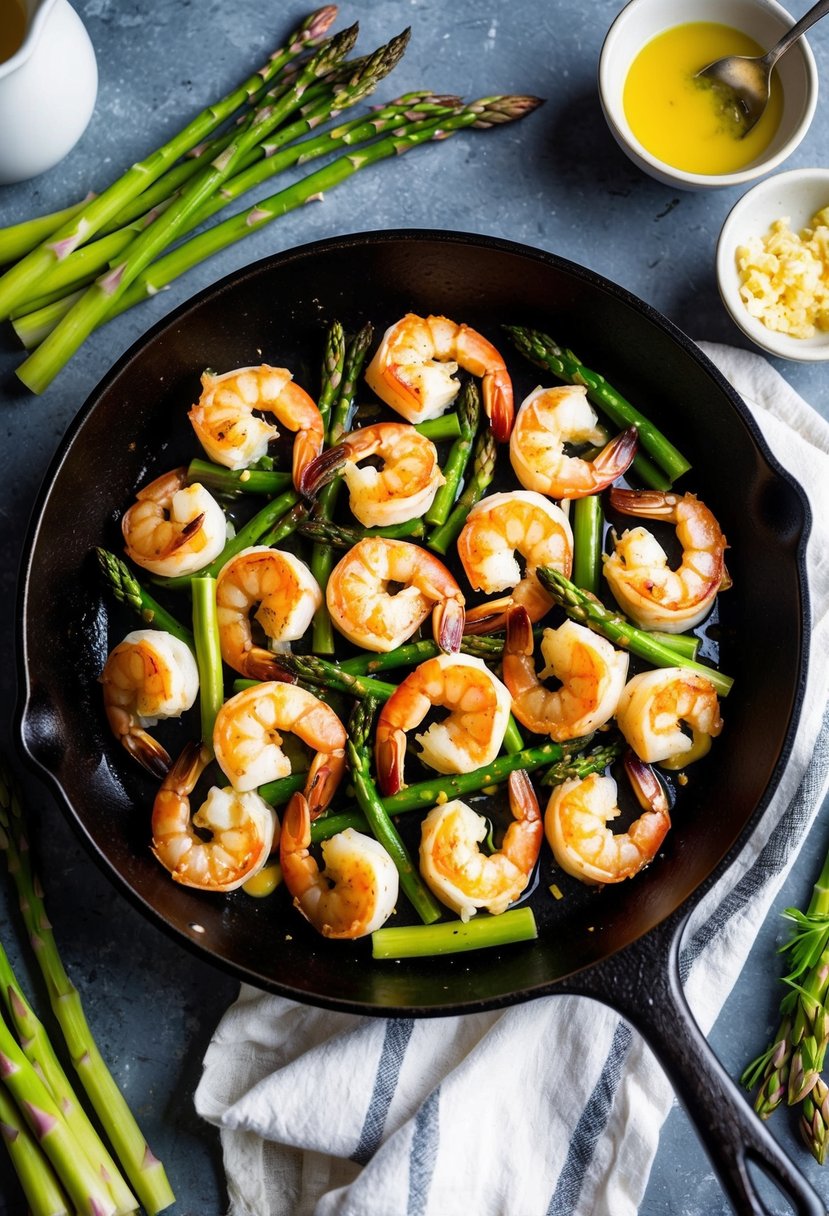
x=149 y=676
x=667 y=713
x=242 y=827
x=234 y=436
x=646 y=588
x=592 y=674
x=356 y=891
x=402 y=489
x=248 y=742
x=464 y=878
x=576 y=821
x=468 y=738
x=413 y=370
x=381 y=592
x=172 y=527
x=287 y=595
x=552 y=417
x=499 y=528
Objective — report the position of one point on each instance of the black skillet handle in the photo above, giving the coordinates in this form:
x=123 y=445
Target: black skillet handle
x=642 y=983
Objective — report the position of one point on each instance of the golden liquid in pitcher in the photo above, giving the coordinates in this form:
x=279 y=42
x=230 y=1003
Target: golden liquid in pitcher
x=12 y=27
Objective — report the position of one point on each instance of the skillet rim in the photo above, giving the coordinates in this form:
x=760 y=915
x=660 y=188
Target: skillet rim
x=178 y=316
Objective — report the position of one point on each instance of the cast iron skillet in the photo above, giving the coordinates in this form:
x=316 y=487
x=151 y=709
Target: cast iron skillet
x=619 y=945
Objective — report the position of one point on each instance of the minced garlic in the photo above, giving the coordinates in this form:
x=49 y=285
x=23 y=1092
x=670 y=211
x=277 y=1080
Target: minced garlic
x=784 y=277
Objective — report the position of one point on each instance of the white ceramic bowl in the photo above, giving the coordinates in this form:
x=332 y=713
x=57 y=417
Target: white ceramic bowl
x=796 y=195
x=764 y=21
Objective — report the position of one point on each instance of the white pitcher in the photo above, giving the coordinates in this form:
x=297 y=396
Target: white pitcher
x=47 y=90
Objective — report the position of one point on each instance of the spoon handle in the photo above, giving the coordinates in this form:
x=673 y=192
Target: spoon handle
x=806 y=22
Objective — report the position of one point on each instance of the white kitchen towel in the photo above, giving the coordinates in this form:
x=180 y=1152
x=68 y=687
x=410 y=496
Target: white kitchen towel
x=328 y=1114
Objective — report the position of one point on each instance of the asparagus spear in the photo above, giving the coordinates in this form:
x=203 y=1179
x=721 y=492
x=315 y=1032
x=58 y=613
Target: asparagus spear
x=483 y=470
x=319 y=673
x=322 y=555
x=409 y=655
x=233 y=482
x=587 y=542
x=588 y=611
x=208 y=654
x=333 y=360
x=483 y=114
x=453 y=937
x=18 y=281
x=790 y=1067
x=468 y=415
x=544 y=352
x=144 y=1171
x=38 y=370
x=563 y=765
x=368 y=799
x=43 y=1192
x=125 y=587
x=340 y=536
x=83 y=1186
x=257 y=165
x=814 y=1120
x=34 y=1041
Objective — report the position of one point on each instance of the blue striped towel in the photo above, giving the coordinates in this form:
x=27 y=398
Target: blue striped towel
x=328 y=1114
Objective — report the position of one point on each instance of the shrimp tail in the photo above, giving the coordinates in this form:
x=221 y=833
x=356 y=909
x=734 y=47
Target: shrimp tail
x=652 y=504
x=148 y=752
x=519 y=632
x=448 y=619
x=616 y=457
x=322 y=470
x=489 y=617
x=390 y=754
x=260 y=664
x=324 y=776
x=180 y=539
x=522 y=800
x=645 y=784
x=499 y=404
x=295 y=832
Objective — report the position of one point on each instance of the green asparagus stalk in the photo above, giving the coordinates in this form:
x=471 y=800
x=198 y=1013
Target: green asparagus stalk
x=19 y=280
x=587 y=543
x=790 y=1067
x=17 y=239
x=43 y=1192
x=439 y=430
x=453 y=937
x=255 y=166
x=145 y=1172
x=34 y=1041
x=540 y=349
x=319 y=673
x=251 y=534
x=483 y=470
x=489 y=649
x=40 y=368
x=208 y=654
x=586 y=610
x=814 y=1120
x=483 y=114
x=468 y=413
x=323 y=556
x=562 y=765
x=83 y=1187
x=368 y=799
x=340 y=536
x=127 y=590
x=333 y=361
x=234 y=482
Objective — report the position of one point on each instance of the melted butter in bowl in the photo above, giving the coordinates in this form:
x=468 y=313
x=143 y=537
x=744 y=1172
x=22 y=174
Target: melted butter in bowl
x=684 y=121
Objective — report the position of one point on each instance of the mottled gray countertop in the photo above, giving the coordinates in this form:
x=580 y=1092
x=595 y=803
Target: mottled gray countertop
x=557 y=182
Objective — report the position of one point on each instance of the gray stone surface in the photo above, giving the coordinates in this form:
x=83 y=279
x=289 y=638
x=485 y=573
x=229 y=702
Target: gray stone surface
x=558 y=182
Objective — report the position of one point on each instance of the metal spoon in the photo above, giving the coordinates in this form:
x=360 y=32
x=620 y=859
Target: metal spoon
x=747 y=78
